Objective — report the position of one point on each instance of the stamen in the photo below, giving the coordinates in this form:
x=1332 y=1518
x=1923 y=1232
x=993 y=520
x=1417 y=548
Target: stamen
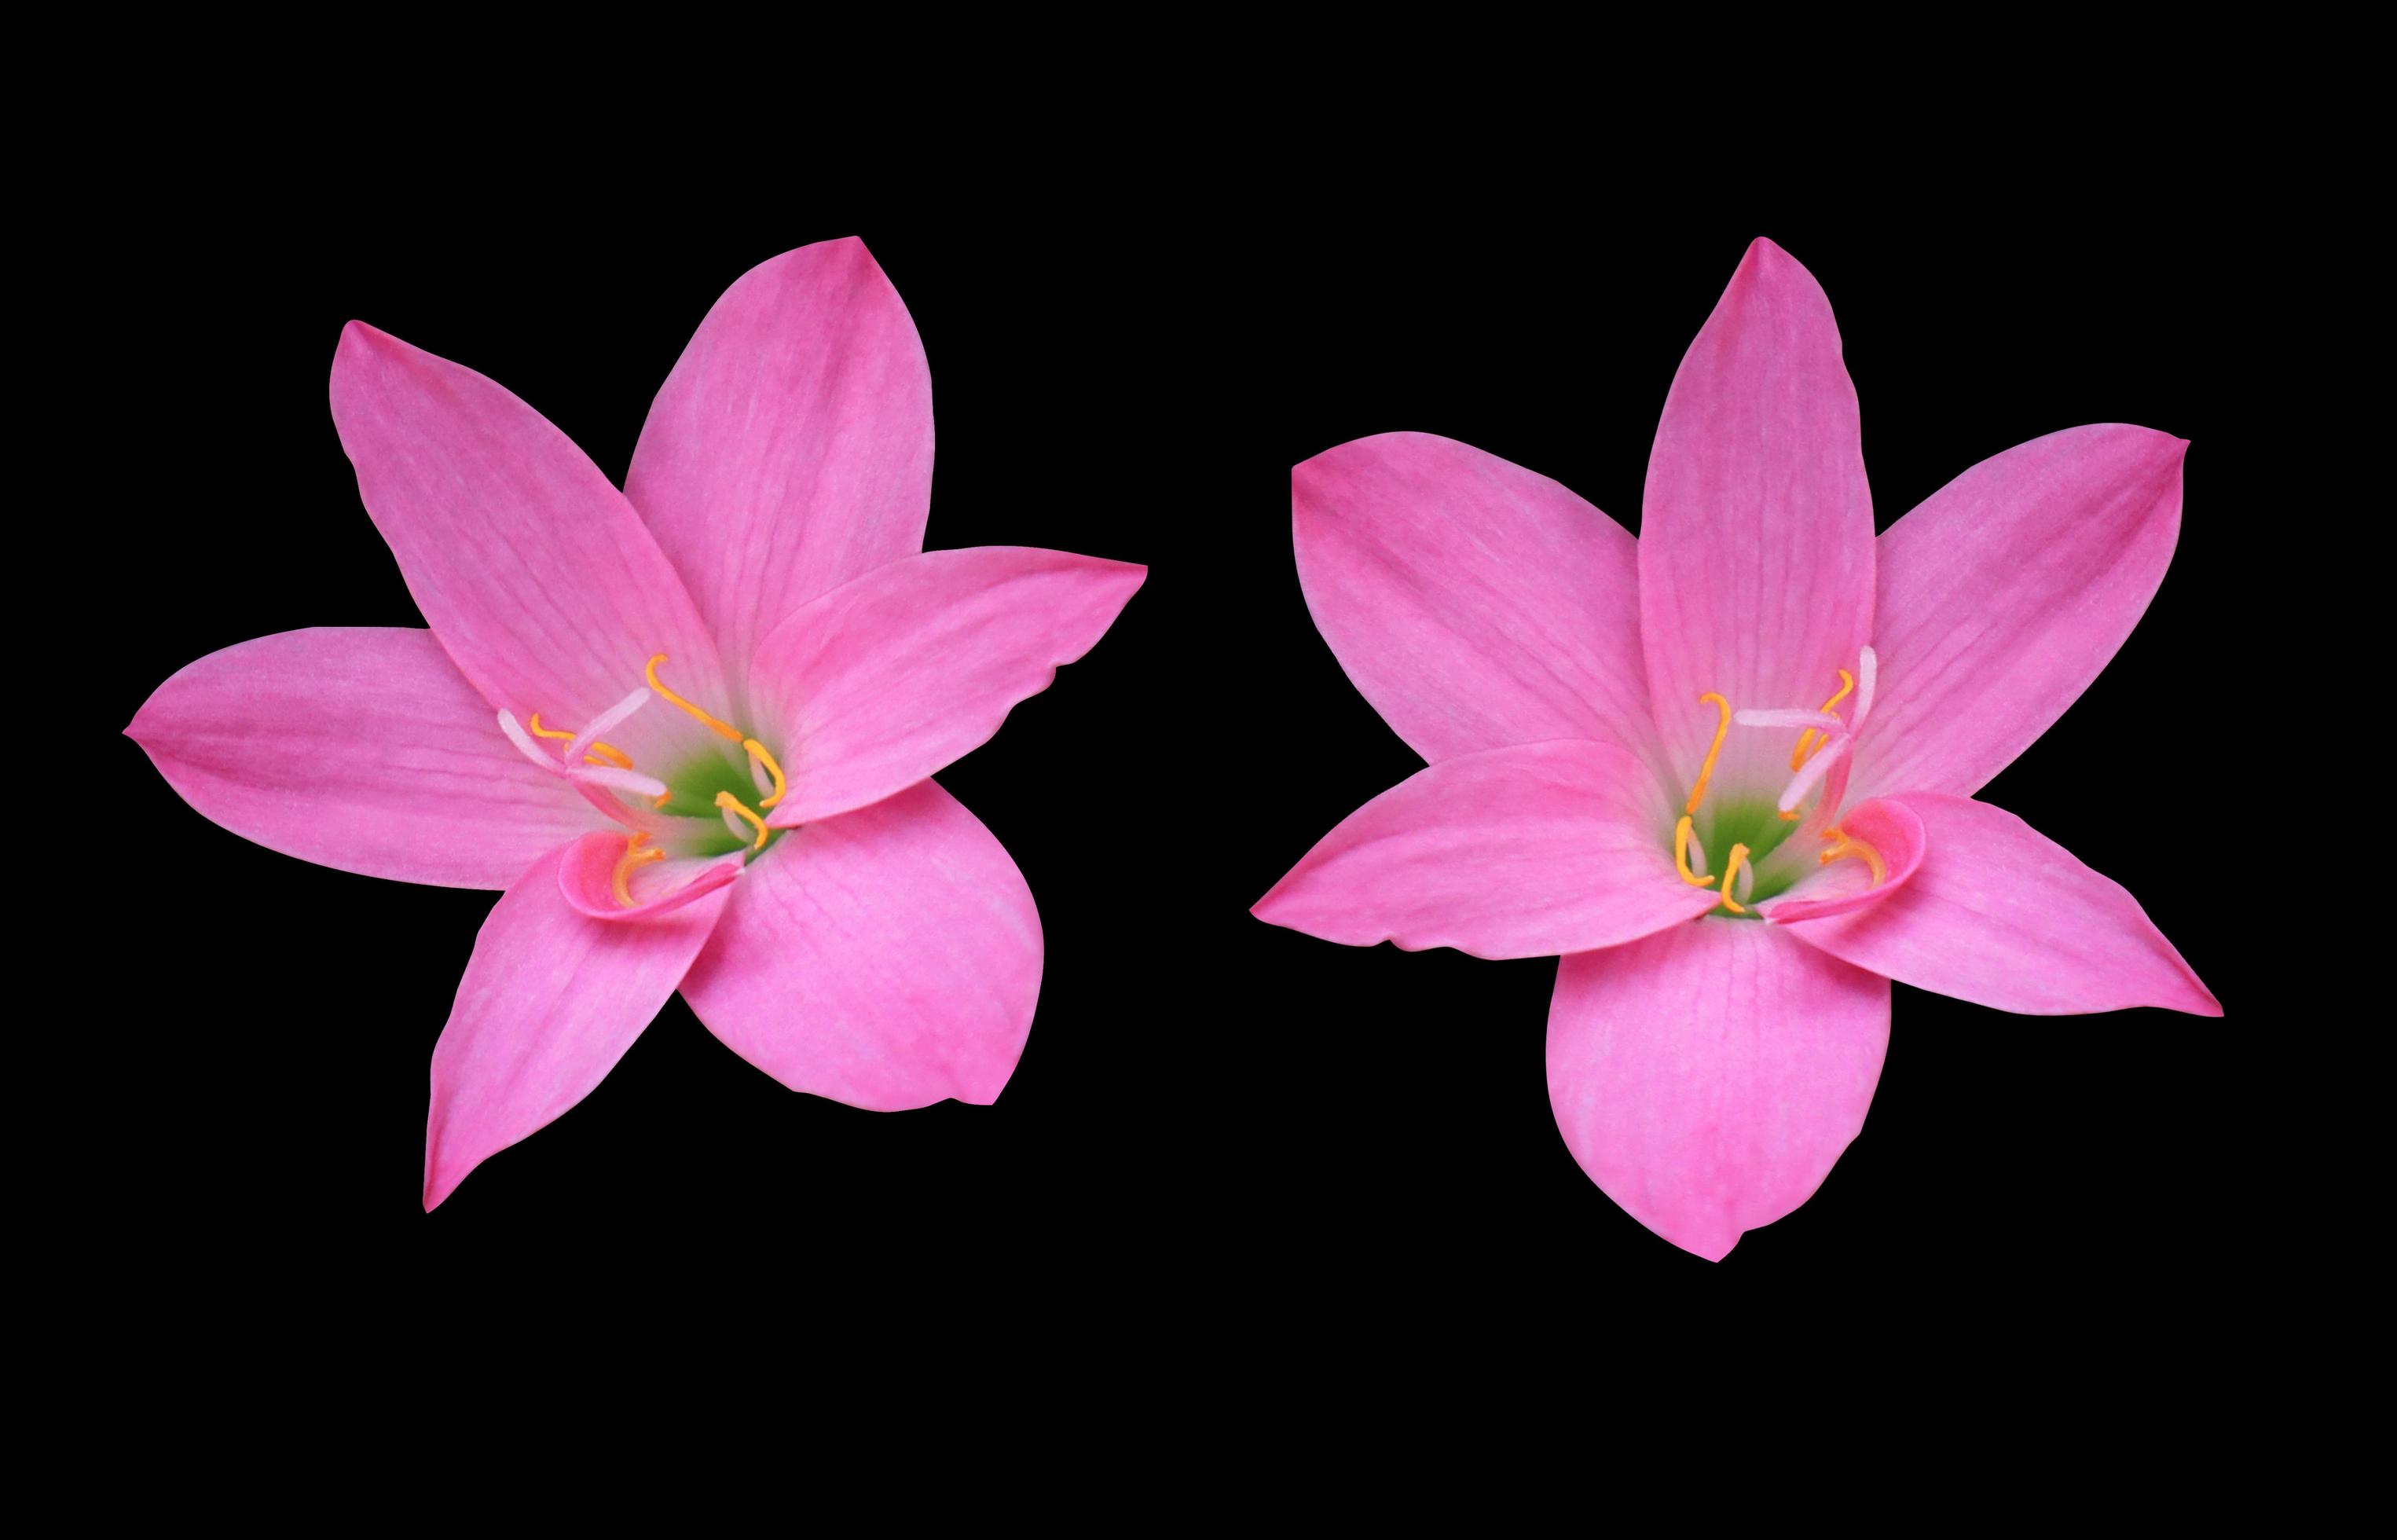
x=1868 y=670
x=717 y=723
x=1682 y=840
x=1812 y=771
x=1731 y=870
x=1798 y=756
x=733 y=807
x=588 y=738
x=758 y=758
x=1707 y=770
x=615 y=757
x=1855 y=848
x=584 y=774
x=634 y=856
x=1786 y=719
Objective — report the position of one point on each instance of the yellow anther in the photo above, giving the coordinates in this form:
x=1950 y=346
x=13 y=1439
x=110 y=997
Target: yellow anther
x=1731 y=869
x=757 y=755
x=1857 y=850
x=661 y=799
x=727 y=729
x=601 y=753
x=732 y=804
x=1682 y=855
x=1798 y=756
x=1707 y=770
x=1793 y=816
x=634 y=856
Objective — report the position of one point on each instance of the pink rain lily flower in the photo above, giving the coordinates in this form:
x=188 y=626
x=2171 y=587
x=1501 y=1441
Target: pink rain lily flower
x=1727 y=770
x=687 y=728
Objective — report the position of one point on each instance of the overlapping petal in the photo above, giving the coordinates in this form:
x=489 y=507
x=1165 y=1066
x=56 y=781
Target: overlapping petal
x=2003 y=915
x=1708 y=1077
x=876 y=685
x=2006 y=592
x=888 y=957
x=1846 y=883
x=587 y=873
x=1525 y=852
x=356 y=747
x=1756 y=536
x=541 y=581
x=1475 y=604
x=791 y=449
x=551 y=1000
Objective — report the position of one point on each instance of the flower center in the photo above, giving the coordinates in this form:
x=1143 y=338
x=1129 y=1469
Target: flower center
x=1819 y=761
x=676 y=818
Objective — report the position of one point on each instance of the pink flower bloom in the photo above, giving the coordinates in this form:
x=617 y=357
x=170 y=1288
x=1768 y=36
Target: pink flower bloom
x=687 y=727
x=1727 y=770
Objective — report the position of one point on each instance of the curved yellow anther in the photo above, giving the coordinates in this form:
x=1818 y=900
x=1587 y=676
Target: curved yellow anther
x=1798 y=756
x=634 y=856
x=1731 y=869
x=727 y=729
x=1855 y=848
x=601 y=753
x=757 y=755
x=661 y=799
x=1682 y=855
x=1707 y=770
x=732 y=804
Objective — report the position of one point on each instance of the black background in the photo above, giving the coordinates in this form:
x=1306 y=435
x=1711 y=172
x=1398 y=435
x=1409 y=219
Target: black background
x=1214 y=1118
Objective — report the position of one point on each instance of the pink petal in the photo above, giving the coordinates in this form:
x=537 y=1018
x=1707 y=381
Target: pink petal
x=2003 y=915
x=876 y=685
x=586 y=879
x=551 y=1000
x=1474 y=603
x=888 y=957
x=1708 y=1077
x=356 y=747
x=537 y=576
x=1845 y=886
x=1756 y=539
x=2006 y=593
x=791 y=449
x=1512 y=852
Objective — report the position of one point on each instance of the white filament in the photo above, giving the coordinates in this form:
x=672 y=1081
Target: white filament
x=1813 y=770
x=1821 y=720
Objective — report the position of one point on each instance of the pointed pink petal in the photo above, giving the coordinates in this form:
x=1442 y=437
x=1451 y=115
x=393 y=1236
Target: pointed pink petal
x=1845 y=886
x=356 y=747
x=888 y=957
x=1709 y=1077
x=537 y=576
x=586 y=879
x=876 y=685
x=791 y=449
x=1474 y=603
x=2005 y=593
x=1756 y=539
x=1513 y=853
x=2003 y=915
x=551 y=1000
